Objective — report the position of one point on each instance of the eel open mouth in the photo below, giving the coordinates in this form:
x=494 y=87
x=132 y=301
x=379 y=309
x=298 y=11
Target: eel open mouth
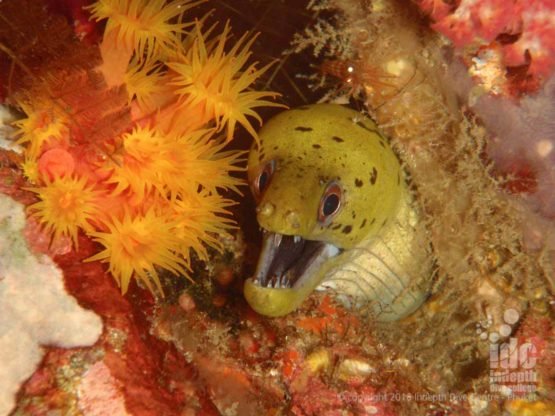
x=287 y=272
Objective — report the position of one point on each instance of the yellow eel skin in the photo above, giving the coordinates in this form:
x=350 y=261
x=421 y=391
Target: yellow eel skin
x=376 y=253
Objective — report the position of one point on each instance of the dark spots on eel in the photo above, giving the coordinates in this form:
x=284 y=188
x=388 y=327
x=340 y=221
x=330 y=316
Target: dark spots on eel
x=353 y=214
x=336 y=226
x=382 y=144
x=338 y=139
x=373 y=221
x=303 y=129
x=347 y=229
x=316 y=146
x=373 y=176
x=358 y=182
x=363 y=223
x=361 y=124
x=276 y=147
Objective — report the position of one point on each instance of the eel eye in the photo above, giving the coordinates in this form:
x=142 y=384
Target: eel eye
x=330 y=203
x=262 y=181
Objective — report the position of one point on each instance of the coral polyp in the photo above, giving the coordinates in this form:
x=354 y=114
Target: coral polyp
x=200 y=218
x=30 y=170
x=172 y=165
x=144 y=26
x=136 y=244
x=217 y=82
x=42 y=125
x=148 y=163
x=144 y=83
x=66 y=204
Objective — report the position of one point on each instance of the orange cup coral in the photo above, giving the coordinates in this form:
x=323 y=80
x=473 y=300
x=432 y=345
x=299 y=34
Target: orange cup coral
x=66 y=204
x=146 y=189
x=136 y=244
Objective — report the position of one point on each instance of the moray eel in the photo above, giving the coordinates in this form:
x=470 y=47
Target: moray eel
x=336 y=214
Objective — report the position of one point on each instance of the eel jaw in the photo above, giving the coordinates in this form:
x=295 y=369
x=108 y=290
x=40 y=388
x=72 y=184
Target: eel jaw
x=288 y=270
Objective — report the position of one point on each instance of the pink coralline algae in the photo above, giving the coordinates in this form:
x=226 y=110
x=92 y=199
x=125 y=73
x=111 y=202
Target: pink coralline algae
x=99 y=393
x=523 y=142
x=524 y=29
x=538 y=36
x=508 y=49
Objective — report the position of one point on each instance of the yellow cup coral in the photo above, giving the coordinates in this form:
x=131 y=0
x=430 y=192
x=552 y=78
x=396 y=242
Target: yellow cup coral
x=67 y=204
x=42 y=125
x=144 y=26
x=171 y=165
x=216 y=80
x=199 y=219
x=136 y=244
x=147 y=192
x=145 y=85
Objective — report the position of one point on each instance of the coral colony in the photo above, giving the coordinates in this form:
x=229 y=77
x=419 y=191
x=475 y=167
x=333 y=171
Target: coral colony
x=131 y=152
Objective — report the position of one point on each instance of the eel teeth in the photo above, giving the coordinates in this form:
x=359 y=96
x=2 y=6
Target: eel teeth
x=285 y=259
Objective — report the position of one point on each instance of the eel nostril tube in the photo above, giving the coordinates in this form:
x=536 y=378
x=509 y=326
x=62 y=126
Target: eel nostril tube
x=266 y=209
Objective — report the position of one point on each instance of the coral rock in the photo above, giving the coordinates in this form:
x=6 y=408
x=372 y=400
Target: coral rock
x=36 y=310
